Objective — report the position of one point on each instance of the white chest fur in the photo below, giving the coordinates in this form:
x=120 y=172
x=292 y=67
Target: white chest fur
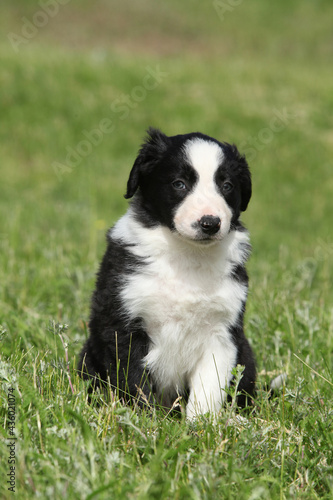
x=187 y=300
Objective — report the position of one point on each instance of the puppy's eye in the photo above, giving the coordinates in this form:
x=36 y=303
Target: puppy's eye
x=227 y=187
x=180 y=185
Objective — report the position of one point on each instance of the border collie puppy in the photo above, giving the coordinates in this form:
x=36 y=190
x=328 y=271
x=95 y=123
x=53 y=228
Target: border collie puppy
x=167 y=312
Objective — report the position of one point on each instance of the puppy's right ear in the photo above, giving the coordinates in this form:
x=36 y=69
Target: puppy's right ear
x=149 y=155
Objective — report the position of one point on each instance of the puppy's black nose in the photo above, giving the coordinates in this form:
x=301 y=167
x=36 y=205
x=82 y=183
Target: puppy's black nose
x=210 y=224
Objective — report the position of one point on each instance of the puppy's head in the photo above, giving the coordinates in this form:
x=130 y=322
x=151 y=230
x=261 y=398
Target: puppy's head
x=193 y=184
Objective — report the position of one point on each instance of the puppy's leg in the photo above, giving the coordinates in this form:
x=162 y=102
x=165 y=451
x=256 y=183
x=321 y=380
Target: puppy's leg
x=211 y=375
x=119 y=361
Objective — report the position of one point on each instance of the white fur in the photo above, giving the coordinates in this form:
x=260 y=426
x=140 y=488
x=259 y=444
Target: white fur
x=205 y=157
x=187 y=301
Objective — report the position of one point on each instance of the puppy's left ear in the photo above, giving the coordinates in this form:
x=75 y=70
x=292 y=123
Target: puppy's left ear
x=246 y=184
x=149 y=155
x=244 y=175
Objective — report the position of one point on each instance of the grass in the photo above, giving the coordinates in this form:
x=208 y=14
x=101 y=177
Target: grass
x=229 y=78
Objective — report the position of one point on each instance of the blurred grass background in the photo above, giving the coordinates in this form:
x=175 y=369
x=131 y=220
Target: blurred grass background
x=226 y=70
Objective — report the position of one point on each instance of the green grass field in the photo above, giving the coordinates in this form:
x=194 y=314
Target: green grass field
x=79 y=86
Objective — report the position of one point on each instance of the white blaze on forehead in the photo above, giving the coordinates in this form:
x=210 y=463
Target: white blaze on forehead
x=205 y=157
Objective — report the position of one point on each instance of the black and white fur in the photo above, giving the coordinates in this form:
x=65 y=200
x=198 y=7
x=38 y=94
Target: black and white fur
x=167 y=312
